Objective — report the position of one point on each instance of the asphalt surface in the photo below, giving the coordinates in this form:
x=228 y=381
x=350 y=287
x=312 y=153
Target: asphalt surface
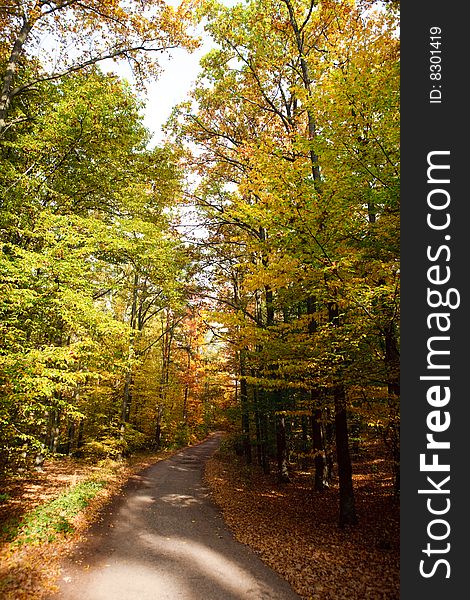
x=164 y=539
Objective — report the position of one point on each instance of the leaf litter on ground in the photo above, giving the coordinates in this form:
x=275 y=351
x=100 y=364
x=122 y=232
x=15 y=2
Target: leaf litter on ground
x=291 y=527
x=294 y=528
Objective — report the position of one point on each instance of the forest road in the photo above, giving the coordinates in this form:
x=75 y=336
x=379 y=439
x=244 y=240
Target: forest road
x=164 y=539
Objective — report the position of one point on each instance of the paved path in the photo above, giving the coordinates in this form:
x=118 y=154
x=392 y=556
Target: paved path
x=165 y=540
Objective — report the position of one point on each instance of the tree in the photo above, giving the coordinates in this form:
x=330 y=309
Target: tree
x=289 y=184
x=96 y=29
x=88 y=259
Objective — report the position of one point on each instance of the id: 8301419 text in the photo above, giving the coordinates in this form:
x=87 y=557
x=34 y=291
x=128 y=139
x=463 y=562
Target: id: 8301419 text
x=435 y=65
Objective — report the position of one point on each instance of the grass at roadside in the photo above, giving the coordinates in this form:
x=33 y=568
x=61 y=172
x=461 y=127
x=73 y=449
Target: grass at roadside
x=49 y=520
x=44 y=514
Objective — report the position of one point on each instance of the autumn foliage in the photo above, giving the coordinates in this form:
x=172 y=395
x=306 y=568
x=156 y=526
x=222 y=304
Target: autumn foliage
x=243 y=275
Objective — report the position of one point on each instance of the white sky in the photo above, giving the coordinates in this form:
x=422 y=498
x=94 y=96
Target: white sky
x=179 y=71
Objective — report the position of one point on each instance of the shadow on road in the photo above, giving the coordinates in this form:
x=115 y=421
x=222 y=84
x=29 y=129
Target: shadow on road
x=164 y=539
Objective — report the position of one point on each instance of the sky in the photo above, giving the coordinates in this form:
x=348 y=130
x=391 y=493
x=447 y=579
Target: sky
x=179 y=71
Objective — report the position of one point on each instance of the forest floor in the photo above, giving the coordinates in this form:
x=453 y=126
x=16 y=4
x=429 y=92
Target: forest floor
x=30 y=566
x=294 y=529
x=290 y=526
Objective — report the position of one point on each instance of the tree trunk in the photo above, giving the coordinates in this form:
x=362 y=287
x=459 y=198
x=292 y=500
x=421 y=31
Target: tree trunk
x=283 y=473
x=347 y=508
x=186 y=389
x=81 y=428
x=269 y=303
x=320 y=481
x=392 y=363
x=127 y=397
x=245 y=419
x=70 y=438
x=264 y=443
x=306 y=81
x=158 y=428
x=10 y=70
x=304 y=426
x=167 y=341
x=258 y=437
x=328 y=441
x=52 y=436
x=55 y=431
